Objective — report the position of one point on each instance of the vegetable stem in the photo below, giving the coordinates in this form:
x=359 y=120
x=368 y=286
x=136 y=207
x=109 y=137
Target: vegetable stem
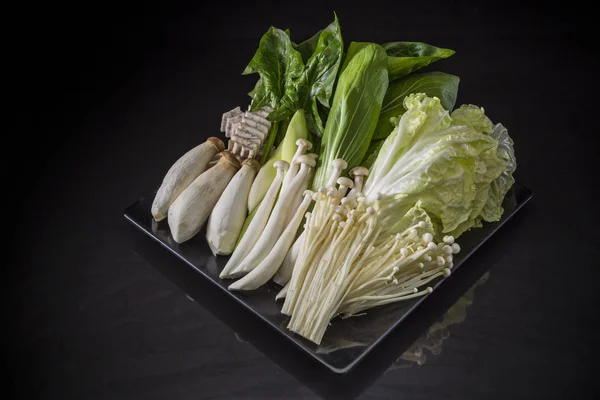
x=269 y=144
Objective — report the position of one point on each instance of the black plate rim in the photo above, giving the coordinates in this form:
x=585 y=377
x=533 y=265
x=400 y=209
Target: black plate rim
x=370 y=347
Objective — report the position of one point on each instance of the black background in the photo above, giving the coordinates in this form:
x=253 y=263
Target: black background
x=106 y=97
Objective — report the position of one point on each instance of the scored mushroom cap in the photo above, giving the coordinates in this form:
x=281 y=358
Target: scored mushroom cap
x=304 y=143
x=346 y=182
x=359 y=171
x=305 y=159
x=218 y=143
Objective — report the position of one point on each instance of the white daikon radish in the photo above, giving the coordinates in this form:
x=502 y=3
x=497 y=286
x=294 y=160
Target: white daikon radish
x=227 y=218
x=191 y=209
x=187 y=168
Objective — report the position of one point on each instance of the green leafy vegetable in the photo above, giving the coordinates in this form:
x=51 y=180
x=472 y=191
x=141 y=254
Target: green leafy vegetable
x=356 y=106
x=372 y=152
x=278 y=64
x=315 y=85
x=492 y=211
x=308 y=47
x=446 y=161
x=407 y=57
x=438 y=84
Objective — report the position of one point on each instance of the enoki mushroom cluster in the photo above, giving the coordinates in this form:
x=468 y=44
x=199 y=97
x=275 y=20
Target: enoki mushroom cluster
x=345 y=267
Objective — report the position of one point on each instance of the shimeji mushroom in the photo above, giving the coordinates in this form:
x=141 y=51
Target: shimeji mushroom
x=258 y=222
x=182 y=173
x=191 y=209
x=358 y=174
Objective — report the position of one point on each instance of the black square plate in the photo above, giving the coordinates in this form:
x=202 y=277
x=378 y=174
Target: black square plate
x=346 y=341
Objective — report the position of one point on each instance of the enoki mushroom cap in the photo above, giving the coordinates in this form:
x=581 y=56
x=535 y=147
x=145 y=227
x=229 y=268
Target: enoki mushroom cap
x=337 y=218
x=448 y=239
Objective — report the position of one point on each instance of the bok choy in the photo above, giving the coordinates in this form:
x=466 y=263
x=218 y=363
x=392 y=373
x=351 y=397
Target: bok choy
x=355 y=110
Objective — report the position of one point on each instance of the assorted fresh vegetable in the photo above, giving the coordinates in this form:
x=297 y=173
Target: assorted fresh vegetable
x=370 y=216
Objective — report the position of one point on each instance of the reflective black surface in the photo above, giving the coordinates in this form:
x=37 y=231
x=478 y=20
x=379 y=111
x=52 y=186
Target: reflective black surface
x=109 y=96
x=347 y=341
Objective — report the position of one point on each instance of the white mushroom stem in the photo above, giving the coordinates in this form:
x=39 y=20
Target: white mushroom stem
x=358 y=174
x=303 y=146
x=283 y=292
x=182 y=173
x=298 y=199
x=258 y=222
x=269 y=265
x=345 y=267
x=191 y=209
x=275 y=225
x=338 y=165
x=284 y=273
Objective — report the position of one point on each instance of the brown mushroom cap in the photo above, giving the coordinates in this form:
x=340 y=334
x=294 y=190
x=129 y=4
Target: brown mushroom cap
x=218 y=143
x=227 y=157
x=252 y=163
